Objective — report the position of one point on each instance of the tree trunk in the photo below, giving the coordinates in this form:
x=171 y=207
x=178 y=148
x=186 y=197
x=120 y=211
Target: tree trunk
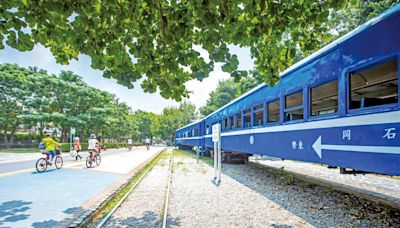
x=14 y=128
x=64 y=137
x=41 y=129
x=5 y=137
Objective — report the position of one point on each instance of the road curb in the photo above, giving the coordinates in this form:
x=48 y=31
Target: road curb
x=369 y=195
x=87 y=216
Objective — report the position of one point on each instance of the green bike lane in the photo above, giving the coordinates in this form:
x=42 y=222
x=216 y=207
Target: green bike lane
x=31 y=199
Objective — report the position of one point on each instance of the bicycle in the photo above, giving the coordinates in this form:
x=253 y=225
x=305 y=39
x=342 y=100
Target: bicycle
x=96 y=159
x=42 y=163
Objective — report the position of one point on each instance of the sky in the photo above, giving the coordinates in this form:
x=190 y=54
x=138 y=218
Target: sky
x=42 y=58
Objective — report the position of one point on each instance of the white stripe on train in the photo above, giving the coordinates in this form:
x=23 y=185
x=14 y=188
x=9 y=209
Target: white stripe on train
x=369 y=119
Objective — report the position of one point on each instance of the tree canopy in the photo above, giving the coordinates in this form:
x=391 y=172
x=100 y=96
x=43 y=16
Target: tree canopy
x=340 y=21
x=160 y=39
x=31 y=98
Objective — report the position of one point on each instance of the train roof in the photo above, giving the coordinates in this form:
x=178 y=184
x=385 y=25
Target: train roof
x=324 y=50
x=196 y=122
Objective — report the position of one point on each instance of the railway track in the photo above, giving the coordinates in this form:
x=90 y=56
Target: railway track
x=164 y=215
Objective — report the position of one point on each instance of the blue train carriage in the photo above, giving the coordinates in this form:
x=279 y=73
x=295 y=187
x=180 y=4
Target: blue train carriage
x=338 y=107
x=189 y=136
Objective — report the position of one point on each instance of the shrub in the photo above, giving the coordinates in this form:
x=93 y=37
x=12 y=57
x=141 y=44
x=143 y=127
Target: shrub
x=65 y=146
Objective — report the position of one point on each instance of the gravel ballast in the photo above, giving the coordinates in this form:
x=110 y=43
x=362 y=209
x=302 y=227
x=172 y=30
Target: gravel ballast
x=248 y=196
x=144 y=206
x=252 y=197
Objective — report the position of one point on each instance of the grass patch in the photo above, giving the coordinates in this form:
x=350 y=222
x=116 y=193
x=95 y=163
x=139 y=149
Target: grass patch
x=185 y=170
x=111 y=204
x=187 y=153
x=20 y=150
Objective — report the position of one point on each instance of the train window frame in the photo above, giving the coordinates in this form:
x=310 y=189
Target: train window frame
x=207 y=129
x=268 y=122
x=244 y=115
x=223 y=122
x=239 y=120
x=231 y=122
x=313 y=86
x=293 y=108
x=255 y=110
x=364 y=66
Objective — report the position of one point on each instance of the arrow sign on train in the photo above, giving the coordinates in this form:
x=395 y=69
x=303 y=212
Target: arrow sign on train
x=318 y=147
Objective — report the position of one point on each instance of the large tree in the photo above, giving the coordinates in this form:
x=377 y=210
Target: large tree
x=33 y=98
x=340 y=22
x=173 y=118
x=14 y=90
x=160 y=39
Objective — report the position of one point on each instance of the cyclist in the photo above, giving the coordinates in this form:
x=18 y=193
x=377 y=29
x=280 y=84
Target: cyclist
x=147 y=143
x=93 y=146
x=130 y=144
x=77 y=148
x=50 y=147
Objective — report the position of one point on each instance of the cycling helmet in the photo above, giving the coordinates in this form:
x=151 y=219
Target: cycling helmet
x=92 y=136
x=48 y=133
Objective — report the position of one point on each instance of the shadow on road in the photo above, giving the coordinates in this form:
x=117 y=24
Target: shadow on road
x=47 y=171
x=13 y=211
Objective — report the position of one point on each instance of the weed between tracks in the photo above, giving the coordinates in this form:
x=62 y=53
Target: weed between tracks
x=111 y=204
x=185 y=153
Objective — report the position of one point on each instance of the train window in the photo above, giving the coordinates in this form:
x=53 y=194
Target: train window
x=238 y=121
x=294 y=100
x=207 y=129
x=258 y=115
x=196 y=132
x=324 y=98
x=373 y=86
x=225 y=124
x=247 y=118
x=294 y=103
x=273 y=111
x=231 y=122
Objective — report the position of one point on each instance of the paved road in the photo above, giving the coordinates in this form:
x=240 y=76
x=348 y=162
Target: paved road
x=29 y=199
x=15 y=162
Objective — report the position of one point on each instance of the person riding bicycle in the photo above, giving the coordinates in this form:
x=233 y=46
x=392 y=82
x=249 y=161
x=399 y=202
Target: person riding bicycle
x=130 y=143
x=50 y=147
x=77 y=148
x=93 y=146
x=147 y=143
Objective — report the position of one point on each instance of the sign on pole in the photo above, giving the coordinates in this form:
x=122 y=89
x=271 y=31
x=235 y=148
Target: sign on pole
x=216 y=132
x=73 y=130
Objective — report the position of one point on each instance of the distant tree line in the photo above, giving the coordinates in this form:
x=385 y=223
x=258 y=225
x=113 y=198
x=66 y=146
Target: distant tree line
x=32 y=98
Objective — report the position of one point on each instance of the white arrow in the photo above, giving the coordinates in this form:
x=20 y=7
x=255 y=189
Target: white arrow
x=318 y=147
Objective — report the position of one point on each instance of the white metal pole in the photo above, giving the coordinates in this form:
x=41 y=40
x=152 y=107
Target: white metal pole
x=215 y=154
x=219 y=160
